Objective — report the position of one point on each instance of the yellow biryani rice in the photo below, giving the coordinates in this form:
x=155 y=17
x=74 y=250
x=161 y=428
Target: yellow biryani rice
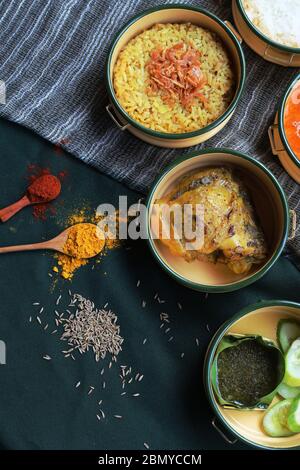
x=131 y=79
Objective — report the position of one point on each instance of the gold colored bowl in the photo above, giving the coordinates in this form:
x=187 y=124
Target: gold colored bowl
x=174 y=14
x=261 y=44
x=271 y=207
x=279 y=144
x=262 y=319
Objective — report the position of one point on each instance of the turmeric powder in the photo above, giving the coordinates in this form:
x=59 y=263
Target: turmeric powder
x=84 y=241
x=67 y=265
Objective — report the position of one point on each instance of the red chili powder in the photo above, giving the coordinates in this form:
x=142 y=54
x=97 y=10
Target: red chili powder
x=38 y=191
x=44 y=189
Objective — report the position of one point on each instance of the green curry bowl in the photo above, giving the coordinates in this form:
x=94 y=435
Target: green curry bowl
x=236 y=419
x=270 y=207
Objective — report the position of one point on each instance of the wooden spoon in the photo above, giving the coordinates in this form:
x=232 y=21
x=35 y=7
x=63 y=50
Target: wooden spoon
x=57 y=244
x=7 y=212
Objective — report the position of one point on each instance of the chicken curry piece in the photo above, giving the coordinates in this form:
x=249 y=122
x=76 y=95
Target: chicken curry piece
x=232 y=234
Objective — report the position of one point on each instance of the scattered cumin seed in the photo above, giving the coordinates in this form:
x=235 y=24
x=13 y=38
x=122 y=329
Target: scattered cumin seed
x=91 y=328
x=118 y=416
x=136 y=394
x=145 y=341
x=78 y=384
x=164 y=317
x=146 y=445
x=138 y=283
x=47 y=357
x=58 y=299
x=98 y=417
x=197 y=341
x=41 y=310
x=39 y=320
x=36 y=303
x=179 y=305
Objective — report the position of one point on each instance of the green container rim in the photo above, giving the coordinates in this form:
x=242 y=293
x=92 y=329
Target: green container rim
x=210 y=354
x=263 y=37
x=281 y=120
x=166 y=135
x=224 y=287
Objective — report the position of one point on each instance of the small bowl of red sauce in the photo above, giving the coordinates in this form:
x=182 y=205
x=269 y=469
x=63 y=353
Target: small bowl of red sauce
x=284 y=134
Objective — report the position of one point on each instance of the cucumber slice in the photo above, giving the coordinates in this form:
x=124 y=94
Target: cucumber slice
x=285 y=391
x=275 y=422
x=292 y=365
x=294 y=415
x=287 y=331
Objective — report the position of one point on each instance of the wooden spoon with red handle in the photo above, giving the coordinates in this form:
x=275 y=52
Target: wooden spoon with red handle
x=8 y=212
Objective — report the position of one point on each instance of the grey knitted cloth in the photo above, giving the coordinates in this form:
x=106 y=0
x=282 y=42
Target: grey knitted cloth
x=52 y=61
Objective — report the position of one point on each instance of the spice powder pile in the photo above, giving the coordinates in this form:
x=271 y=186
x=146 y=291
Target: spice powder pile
x=84 y=241
x=67 y=265
x=44 y=189
x=37 y=193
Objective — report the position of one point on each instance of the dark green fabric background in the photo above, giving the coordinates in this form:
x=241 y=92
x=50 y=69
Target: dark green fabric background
x=39 y=405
